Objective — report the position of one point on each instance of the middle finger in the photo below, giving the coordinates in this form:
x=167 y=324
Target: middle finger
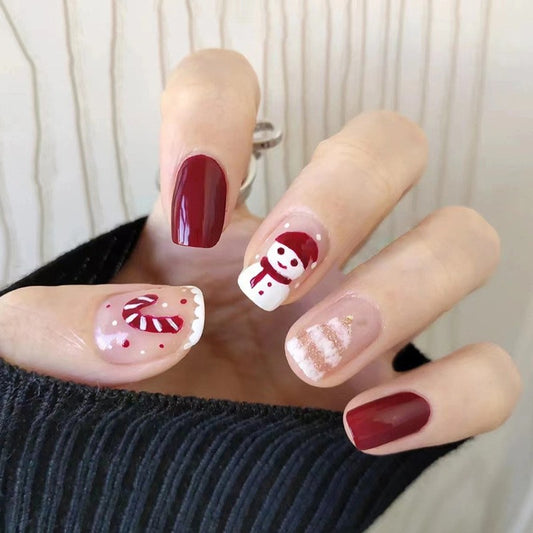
x=352 y=182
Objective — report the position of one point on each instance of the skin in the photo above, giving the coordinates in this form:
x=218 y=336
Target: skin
x=209 y=106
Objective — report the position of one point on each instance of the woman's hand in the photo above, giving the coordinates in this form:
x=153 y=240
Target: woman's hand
x=340 y=332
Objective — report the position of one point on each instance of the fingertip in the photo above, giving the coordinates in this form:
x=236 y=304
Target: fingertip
x=102 y=334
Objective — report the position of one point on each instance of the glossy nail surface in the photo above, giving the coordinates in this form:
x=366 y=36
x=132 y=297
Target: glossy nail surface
x=199 y=202
x=136 y=326
x=387 y=419
x=331 y=337
x=292 y=251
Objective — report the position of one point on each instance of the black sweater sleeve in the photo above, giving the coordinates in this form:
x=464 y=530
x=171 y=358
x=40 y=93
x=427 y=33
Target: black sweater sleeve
x=78 y=458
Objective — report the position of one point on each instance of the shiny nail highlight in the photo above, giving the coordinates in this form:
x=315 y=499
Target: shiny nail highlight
x=136 y=326
x=387 y=419
x=331 y=337
x=199 y=202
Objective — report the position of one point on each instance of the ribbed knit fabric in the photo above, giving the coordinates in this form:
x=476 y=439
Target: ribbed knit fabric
x=76 y=458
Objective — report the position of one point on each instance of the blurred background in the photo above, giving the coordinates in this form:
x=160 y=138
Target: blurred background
x=79 y=118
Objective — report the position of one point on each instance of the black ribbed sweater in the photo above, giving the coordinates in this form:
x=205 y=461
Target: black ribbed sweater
x=75 y=458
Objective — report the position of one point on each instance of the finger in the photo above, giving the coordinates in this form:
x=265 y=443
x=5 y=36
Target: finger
x=469 y=392
x=208 y=116
x=353 y=180
x=100 y=334
x=386 y=301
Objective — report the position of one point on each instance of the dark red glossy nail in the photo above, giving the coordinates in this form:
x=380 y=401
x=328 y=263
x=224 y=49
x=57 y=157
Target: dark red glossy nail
x=387 y=419
x=199 y=202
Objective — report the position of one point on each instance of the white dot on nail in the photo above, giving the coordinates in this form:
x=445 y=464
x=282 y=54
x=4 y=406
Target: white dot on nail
x=164 y=304
x=142 y=352
x=187 y=345
x=313 y=266
x=257 y=256
x=286 y=225
x=114 y=323
x=318 y=237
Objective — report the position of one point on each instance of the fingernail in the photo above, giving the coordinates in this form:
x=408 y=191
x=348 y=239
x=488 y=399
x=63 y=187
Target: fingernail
x=289 y=255
x=387 y=419
x=137 y=326
x=199 y=202
x=331 y=337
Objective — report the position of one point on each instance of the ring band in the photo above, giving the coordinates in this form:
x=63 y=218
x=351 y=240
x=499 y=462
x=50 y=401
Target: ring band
x=266 y=136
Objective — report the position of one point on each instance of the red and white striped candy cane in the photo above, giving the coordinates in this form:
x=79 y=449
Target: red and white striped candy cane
x=131 y=313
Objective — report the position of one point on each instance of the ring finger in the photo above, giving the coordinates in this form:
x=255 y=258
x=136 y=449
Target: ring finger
x=387 y=300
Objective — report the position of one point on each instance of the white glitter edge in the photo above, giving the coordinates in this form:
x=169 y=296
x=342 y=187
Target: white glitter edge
x=197 y=325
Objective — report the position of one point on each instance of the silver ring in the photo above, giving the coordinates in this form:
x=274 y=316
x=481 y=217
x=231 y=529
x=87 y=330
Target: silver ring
x=266 y=136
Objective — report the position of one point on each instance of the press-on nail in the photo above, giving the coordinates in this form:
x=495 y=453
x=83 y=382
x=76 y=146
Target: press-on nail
x=387 y=419
x=136 y=326
x=293 y=250
x=199 y=202
x=331 y=337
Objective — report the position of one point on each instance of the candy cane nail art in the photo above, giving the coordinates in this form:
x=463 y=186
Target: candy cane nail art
x=132 y=327
x=133 y=316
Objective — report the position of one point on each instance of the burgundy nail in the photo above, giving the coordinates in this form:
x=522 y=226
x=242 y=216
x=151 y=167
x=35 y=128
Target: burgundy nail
x=199 y=202
x=387 y=419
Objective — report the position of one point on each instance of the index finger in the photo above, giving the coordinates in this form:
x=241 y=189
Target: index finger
x=208 y=113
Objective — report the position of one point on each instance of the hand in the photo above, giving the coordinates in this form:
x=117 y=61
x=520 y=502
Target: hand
x=340 y=332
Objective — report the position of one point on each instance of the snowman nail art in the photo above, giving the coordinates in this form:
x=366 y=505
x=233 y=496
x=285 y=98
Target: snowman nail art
x=132 y=327
x=294 y=251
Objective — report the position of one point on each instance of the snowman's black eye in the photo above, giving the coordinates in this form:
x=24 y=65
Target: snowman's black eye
x=294 y=262
x=281 y=250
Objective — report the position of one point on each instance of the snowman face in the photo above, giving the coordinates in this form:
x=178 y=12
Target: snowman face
x=285 y=261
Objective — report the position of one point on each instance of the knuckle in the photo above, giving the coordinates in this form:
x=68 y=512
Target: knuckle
x=403 y=127
x=501 y=374
x=363 y=158
x=211 y=76
x=473 y=224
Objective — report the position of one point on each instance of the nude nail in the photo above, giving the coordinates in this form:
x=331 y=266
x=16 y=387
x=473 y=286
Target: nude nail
x=136 y=326
x=333 y=336
x=289 y=255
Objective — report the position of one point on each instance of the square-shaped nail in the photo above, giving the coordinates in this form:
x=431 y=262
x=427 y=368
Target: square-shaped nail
x=199 y=202
x=288 y=256
x=387 y=419
x=330 y=337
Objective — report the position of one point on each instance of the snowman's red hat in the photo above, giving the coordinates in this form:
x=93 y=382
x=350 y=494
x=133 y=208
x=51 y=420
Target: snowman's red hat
x=301 y=244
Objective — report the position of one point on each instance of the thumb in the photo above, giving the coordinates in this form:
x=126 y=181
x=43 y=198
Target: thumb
x=100 y=334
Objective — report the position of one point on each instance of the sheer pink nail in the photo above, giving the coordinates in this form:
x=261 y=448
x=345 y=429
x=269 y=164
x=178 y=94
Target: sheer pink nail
x=331 y=337
x=136 y=326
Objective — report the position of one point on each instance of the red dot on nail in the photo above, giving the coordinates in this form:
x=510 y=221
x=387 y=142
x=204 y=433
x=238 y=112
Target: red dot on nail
x=126 y=343
x=269 y=284
x=108 y=306
x=183 y=301
x=161 y=346
x=261 y=293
